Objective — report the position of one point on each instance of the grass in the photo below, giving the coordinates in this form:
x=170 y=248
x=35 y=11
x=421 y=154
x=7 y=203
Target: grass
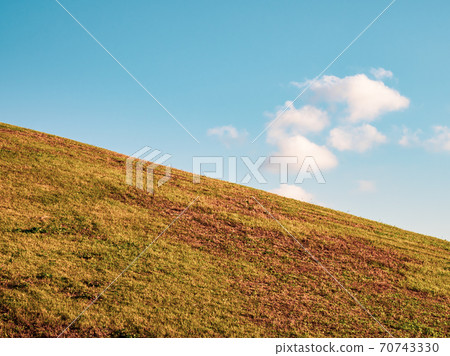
x=69 y=225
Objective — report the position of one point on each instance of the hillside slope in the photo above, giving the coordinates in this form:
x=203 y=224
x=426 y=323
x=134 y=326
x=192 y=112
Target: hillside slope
x=69 y=225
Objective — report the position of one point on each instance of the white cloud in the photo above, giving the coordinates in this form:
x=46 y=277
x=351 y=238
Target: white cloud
x=224 y=131
x=227 y=134
x=300 y=121
x=381 y=73
x=441 y=139
x=294 y=192
x=410 y=138
x=358 y=139
x=366 y=99
x=362 y=99
x=301 y=147
x=366 y=186
x=287 y=133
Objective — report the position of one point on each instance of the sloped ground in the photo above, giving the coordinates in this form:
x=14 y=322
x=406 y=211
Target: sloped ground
x=69 y=225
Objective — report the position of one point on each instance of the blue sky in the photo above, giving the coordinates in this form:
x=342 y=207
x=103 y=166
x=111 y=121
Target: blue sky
x=215 y=64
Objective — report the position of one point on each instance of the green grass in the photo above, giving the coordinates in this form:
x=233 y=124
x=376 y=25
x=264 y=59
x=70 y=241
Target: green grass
x=69 y=225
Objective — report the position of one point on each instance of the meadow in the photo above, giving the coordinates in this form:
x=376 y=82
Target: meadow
x=69 y=225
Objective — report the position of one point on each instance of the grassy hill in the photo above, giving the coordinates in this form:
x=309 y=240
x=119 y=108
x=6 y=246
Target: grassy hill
x=69 y=225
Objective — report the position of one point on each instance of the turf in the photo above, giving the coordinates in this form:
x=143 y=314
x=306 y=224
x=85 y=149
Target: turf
x=69 y=225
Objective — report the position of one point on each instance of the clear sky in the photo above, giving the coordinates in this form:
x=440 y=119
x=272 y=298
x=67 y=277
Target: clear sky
x=377 y=121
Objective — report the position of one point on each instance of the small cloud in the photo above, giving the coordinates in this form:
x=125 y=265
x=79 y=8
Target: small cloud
x=300 y=84
x=358 y=139
x=228 y=134
x=438 y=142
x=441 y=139
x=366 y=186
x=301 y=147
x=307 y=119
x=224 y=131
x=410 y=138
x=366 y=99
x=289 y=130
x=381 y=73
x=294 y=192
